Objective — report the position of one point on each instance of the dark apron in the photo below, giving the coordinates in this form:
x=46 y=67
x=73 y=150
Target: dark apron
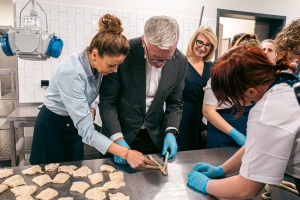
x=218 y=139
x=55 y=139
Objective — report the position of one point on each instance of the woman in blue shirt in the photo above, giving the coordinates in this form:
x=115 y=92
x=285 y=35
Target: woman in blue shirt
x=65 y=120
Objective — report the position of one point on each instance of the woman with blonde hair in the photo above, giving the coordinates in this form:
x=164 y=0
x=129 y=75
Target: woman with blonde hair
x=201 y=49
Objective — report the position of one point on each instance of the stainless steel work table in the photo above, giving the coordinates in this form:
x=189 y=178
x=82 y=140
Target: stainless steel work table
x=23 y=116
x=144 y=184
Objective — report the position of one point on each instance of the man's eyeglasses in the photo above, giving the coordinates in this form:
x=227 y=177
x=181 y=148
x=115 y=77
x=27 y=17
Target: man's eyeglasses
x=159 y=60
x=208 y=46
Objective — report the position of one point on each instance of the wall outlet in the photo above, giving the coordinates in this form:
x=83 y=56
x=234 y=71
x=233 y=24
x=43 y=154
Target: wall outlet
x=44 y=83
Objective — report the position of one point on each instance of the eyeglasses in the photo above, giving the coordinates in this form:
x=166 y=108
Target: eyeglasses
x=208 y=46
x=159 y=60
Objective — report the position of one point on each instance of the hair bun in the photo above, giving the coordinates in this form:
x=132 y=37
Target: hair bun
x=110 y=23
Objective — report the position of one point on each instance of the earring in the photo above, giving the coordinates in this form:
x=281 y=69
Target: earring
x=253 y=101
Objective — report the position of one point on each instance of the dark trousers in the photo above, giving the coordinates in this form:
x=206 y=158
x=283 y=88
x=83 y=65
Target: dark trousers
x=55 y=139
x=144 y=143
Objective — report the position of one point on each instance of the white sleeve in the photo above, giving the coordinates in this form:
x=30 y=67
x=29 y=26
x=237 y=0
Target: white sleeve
x=209 y=97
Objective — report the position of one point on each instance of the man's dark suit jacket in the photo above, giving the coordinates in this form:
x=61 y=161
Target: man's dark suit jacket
x=123 y=97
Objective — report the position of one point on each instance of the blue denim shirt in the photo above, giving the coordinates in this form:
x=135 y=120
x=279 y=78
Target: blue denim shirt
x=72 y=90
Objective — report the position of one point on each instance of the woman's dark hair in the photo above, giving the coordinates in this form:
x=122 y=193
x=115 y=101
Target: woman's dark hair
x=235 y=38
x=109 y=39
x=239 y=69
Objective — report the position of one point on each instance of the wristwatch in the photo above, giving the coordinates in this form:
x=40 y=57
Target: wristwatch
x=173 y=131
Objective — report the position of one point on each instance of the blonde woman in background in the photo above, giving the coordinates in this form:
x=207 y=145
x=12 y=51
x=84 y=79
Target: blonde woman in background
x=201 y=49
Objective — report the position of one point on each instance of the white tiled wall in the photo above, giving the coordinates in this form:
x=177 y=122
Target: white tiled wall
x=76 y=25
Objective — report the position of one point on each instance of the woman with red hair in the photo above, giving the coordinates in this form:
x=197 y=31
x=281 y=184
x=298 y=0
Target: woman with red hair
x=245 y=75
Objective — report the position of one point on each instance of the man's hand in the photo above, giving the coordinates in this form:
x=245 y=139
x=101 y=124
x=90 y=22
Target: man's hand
x=210 y=170
x=170 y=143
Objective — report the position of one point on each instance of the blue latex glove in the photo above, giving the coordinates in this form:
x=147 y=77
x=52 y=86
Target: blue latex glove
x=237 y=136
x=210 y=170
x=118 y=159
x=198 y=181
x=170 y=143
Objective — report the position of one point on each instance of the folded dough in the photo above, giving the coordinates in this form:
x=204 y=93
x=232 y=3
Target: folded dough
x=116 y=175
x=118 y=196
x=14 y=181
x=24 y=197
x=47 y=194
x=61 y=178
x=42 y=179
x=51 y=167
x=24 y=190
x=107 y=168
x=95 y=178
x=96 y=193
x=33 y=170
x=67 y=168
x=6 y=173
x=3 y=188
x=65 y=198
x=83 y=171
x=79 y=186
x=114 y=184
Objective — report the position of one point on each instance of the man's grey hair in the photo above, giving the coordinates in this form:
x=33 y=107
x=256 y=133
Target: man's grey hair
x=161 y=31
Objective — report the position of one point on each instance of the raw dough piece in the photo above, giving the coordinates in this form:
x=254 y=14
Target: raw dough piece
x=42 y=179
x=6 y=173
x=107 y=168
x=33 y=170
x=95 y=178
x=65 y=198
x=51 y=167
x=115 y=184
x=96 y=193
x=24 y=190
x=116 y=175
x=61 y=178
x=14 y=181
x=83 y=171
x=118 y=196
x=47 y=194
x=24 y=197
x=79 y=186
x=3 y=188
x=67 y=168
